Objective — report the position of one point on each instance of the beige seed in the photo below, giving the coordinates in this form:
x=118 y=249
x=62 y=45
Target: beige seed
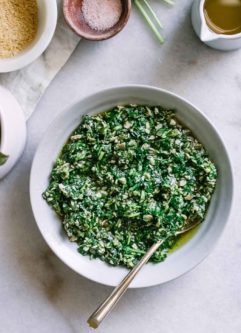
x=147 y=218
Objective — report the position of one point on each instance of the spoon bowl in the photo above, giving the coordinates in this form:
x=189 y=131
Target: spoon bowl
x=75 y=19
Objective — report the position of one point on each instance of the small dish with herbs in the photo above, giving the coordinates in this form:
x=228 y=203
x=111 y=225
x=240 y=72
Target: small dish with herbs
x=115 y=173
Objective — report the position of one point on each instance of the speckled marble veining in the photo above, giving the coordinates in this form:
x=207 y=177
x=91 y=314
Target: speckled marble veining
x=38 y=293
x=29 y=83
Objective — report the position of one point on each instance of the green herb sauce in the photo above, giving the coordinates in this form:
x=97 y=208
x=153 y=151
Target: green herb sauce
x=126 y=178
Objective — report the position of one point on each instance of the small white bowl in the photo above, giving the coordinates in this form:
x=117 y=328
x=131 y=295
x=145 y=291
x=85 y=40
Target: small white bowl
x=47 y=16
x=12 y=130
x=219 y=42
x=180 y=261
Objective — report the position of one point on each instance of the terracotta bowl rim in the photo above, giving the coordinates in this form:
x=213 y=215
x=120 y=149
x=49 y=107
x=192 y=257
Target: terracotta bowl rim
x=101 y=36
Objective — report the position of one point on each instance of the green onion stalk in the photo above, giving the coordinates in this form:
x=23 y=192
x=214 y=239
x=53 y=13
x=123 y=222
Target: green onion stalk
x=151 y=18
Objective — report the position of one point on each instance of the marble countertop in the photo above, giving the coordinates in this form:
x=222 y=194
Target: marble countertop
x=38 y=293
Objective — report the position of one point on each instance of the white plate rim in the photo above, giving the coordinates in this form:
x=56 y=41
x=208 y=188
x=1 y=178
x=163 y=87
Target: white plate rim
x=230 y=194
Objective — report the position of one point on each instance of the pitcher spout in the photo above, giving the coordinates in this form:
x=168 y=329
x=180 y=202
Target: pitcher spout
x=207 y=35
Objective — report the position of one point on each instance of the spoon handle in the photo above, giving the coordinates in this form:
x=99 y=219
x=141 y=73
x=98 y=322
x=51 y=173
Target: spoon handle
x=105 y=308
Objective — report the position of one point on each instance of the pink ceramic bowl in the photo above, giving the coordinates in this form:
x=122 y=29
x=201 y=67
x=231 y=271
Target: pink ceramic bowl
x=75 y=19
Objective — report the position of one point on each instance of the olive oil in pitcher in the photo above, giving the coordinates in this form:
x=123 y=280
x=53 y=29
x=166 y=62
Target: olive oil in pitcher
x=223 y=16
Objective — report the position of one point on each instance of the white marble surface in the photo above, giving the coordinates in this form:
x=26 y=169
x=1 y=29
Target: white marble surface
x=38 y=293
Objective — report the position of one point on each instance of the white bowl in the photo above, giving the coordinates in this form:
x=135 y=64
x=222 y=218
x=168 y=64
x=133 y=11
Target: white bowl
x=12 y=130
x=47 y=16
x=180 y=261
x=217 y=41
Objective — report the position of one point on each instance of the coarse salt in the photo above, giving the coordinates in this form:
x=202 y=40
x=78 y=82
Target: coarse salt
x=101 y=14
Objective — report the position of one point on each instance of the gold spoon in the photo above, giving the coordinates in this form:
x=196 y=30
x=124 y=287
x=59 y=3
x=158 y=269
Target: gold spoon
x=105 y=308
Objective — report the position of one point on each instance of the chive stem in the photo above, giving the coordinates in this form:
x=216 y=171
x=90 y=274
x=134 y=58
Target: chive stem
x=149 y=20
x=153 y=14
x=169 y=2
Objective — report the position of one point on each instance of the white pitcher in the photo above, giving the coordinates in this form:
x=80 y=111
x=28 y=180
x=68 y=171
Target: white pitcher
x=207 y=36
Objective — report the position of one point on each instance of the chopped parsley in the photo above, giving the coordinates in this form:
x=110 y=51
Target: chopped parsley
x=127 y=177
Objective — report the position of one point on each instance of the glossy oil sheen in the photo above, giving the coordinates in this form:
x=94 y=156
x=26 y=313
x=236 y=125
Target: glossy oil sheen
x=223 y=16
x=183 y=239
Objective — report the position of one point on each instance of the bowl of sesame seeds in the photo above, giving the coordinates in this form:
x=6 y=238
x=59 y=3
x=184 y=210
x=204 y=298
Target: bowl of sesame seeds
x=121 y=168
x=26 y=29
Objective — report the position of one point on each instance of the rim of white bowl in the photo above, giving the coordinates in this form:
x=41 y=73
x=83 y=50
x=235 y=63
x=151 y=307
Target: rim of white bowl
x=107 y=281
x=13 y=130
x=33 y=52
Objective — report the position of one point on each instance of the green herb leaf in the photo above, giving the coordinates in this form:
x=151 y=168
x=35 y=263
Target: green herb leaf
x=3 y=158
